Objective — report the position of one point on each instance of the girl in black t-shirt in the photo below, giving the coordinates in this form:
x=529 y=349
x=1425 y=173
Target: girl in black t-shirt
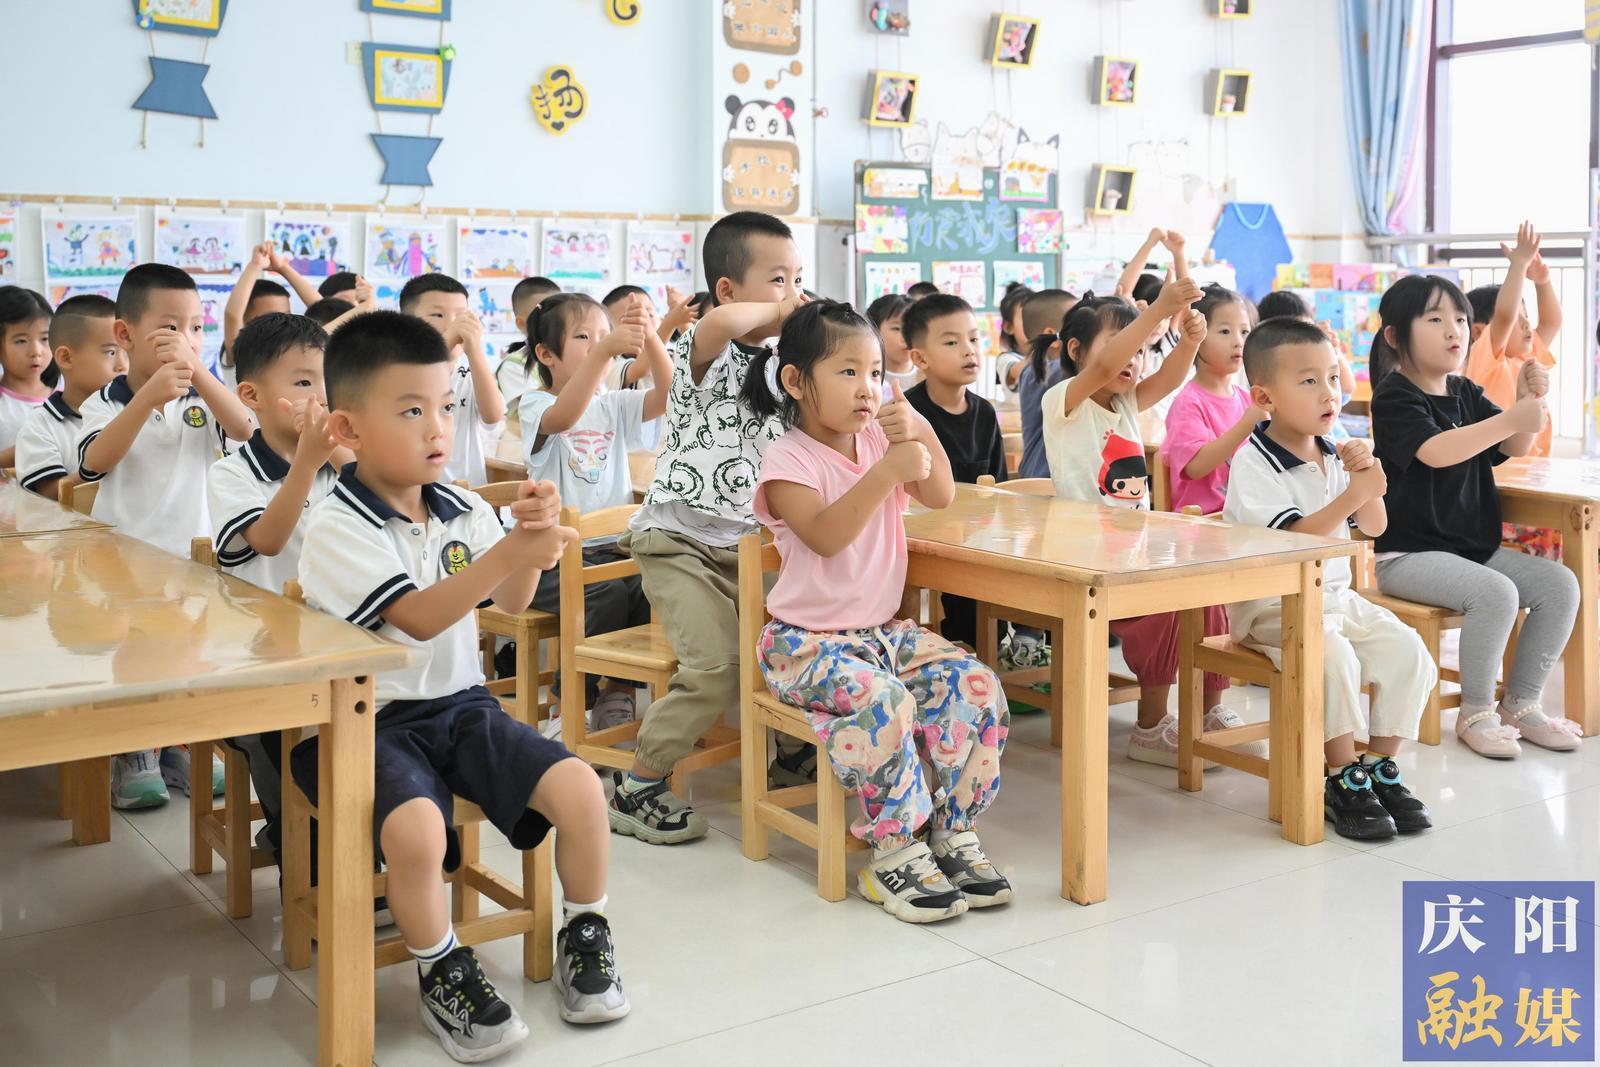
x=1439 y=439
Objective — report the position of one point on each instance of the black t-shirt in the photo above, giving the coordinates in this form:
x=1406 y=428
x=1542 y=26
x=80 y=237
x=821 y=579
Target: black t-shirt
x=971 y=439
x=1435 y=509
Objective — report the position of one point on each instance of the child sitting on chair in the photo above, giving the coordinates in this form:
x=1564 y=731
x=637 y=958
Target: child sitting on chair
x=883 y=692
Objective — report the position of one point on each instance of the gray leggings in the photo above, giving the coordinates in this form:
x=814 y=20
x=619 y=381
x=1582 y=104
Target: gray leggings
x=1489 y=594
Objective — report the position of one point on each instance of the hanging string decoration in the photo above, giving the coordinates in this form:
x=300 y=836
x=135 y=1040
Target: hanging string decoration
x=407 y=78
x=177 y=86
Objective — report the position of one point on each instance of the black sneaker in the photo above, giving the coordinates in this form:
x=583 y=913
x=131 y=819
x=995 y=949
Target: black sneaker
x=586 y=971
x=793 y=766
x=464 y=1012
x=1409 y=813
x=1354 y=809
x=653 y=814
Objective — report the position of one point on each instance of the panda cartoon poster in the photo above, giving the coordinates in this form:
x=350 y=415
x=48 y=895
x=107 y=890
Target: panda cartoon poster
x=760 y=158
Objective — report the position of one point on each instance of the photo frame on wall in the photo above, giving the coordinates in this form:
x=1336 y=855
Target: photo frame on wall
x=1227 y=92
x=1230 y=9
x=1116 y=80
x=202 y=18
x=404 y=78
x=1012 y=40
x=891 y=97
x=890 y=16
x=421 y=9
x=1112 y=189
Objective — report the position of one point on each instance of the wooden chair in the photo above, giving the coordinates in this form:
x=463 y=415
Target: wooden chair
x=224 y=831
x=1030 y=486
x=528 y=908
x=1160 y=481
x=763 y=810
x=83 y=495
x=639 y=654
x=641 y=471
x=504 y=470
x=530 y=629
x=80 y=498
x=1013 y=446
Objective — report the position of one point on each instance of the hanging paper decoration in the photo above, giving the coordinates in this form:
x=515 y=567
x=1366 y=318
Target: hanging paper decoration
x=623 y=12
x=760 y=158
x=762 y=25
x=81 y=249
x=406 y=159
x=204 y=245
x=559 y=100
x=402 y=78
x=175 y=88
x=202 y=18
x=421 y=9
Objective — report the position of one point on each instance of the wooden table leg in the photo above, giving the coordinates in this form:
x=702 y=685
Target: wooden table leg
x=1301 y=736
x=1581 y=663
x=1083 y=750
x=91 y=801
x=344 y=878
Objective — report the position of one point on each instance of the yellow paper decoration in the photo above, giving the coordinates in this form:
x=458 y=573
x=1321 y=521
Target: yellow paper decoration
x=559 y=101
x=623 y=12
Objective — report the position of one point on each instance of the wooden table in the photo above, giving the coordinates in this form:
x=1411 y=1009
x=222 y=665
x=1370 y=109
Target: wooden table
x=109 y=645
x=1087 y=565
x=1564 y=495
x=24 y=513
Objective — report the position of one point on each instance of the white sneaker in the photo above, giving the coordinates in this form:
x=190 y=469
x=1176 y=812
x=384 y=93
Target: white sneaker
x=1224 y=718
x=1157 y=744
x=909 y=885
x=136 y=781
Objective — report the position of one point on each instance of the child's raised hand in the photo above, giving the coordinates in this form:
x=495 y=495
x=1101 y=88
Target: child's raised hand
x=1177 y=294
x=541 y=549
x=277 y=262
x=538 y=505
x=314 y=425
x=466 y=330
x=900 y=421
x=1356 y=455
x=681 y=311
x=908 y=461
x=171 y=380
x=1538 y=270
x=1527 y=246
x=261 y=255
x=1370 y=482
x=1534 y=380
x=1157 y=236
x=1173 y=241
x=366 y=295
x=1527 y=414
x=1192 y=327
x=627 y=336
x=171 y=346
x=791 y=305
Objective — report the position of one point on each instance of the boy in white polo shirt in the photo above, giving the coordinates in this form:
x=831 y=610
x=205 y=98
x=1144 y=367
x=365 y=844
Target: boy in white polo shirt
x=260 y=494
x=441 y=301
x=1289 y=477
x=150 y=437
x=84 y=357
x=399 y=551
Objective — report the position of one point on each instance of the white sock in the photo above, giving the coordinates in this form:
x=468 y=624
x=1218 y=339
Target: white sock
x=937 y=837
x=881 y=854
x=571 y=909
x=1515 y=704
x=427 y=957
x=1469 y=710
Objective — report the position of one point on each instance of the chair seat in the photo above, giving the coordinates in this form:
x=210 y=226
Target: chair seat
x=1220 y=654
x=642 y=647
x=1407 y=610
x=540 y=624
x=786 y=718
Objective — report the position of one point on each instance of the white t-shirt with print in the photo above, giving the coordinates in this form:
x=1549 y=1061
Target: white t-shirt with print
x=15 y=410
x=1096 y=456
x=474 y=439
x=588 y=462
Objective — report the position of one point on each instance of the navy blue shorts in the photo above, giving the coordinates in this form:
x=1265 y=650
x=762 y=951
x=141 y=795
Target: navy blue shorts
x=461 y=745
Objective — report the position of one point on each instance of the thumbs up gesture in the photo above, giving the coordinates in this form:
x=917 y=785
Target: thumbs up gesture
x=900 y=421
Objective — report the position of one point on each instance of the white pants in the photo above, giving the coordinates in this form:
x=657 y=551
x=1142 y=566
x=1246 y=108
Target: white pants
x=1362 y=644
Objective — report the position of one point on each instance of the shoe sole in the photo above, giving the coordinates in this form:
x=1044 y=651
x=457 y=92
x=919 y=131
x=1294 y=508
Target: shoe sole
x=628 y=826
x=908 y=914
x=511 y=1039
x=1490 y=755
x=593 y=1013
x=139 y=803
x=1377 y=834
x=994 y=900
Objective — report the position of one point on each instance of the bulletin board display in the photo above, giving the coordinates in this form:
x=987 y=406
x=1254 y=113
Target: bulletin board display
x=959 y=228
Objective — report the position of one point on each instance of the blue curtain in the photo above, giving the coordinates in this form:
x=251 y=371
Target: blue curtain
x=1385 y=53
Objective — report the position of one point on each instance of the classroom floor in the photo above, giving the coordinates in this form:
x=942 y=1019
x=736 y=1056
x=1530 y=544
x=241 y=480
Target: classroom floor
x=1219 y=943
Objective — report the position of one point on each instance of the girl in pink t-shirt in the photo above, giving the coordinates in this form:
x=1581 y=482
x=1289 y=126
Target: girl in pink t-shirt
x=1212 y=415
x=884 y=694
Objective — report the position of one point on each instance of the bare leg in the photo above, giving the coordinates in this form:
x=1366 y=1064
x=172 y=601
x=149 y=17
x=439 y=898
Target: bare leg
x=570 y=796
x=413 y=840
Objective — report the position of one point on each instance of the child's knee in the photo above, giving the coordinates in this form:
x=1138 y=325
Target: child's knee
x=1495 y=597
x=569 y=792
x=1562 y=589
x=413 y=835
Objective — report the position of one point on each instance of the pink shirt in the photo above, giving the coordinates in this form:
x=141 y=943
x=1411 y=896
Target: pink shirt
x=859 y=588
x=1197 y=418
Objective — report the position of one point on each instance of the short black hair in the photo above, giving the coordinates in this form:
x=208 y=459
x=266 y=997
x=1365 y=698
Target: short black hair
x=918 y=290
x=328 y=308
x=548 y=323
x=1283 y=304
x=1146 y=287
x=622 y=292
x=372 y=342
x=266 y=337
x=133 y=295
x=67 y=328
x=1016 y=296
x=887 y=308
x=412 y=291
x=914 y=323
x=1261 y=347
x=1482 y=299
x=266 y=287
x=727 y=245
x=809 y=336
x=340 y=281
x=535 y=289
x=21 y=305
x=1042 y=315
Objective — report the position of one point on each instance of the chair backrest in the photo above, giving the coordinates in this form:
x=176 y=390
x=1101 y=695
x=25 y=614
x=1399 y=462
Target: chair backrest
x=504 y=470
x=757 y=556
x=64 y=487
x=497 y=494
x=292 y=590
x=201 y=552
x=641 y=468
x=83 y=495
x=1160 y=483
x=1029 y=486
x=986 y=480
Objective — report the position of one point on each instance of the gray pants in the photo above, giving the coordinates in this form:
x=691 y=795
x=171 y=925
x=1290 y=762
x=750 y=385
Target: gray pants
x=1489 y=594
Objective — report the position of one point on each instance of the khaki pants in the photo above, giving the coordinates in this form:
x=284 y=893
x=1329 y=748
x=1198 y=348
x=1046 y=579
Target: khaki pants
x=694 y=591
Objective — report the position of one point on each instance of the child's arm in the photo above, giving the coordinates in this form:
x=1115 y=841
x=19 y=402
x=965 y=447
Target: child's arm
x=1363 y=497
x=1215 y=453
x=1135 y=267
x=829 y=530
x=1533 y=383
x=226 y=407
x=167 y=384
x=1174 y=243
x=659 y=366
x=574 y=398
x=1097 y=373
x=269 y=533
x=466 y=330
x=902 y=424
x=725 y=322
x=1513 y=430
x=1174 y=370
x=239 y=299
x=278 y=263
x=680 y=315
x=1549 y=327
x=366 y=300
x=1508 y=305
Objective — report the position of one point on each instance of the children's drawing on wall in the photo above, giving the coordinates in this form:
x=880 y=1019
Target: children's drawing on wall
x=985 y=142
x=491 y=302
x=403 y=250
x=892 y=98
x=1171 y=192
x=659 y=257
x=89 y=246
x=203 y=245
x=762 y=25
x=315 y=248
x=579 y=259
x=1038 y=231
x=1026 y=166
x=58 y=293
x=894 y=183
x=1029 y=272
x=882 y=228
x=8 y=249
x=892 y=277
x=760 y=159
x=963 y=277
x=494 y=251
x=1116 y=80
x=1012 y=40
x=203 y=17
x=213 y=298
x=410 y=79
